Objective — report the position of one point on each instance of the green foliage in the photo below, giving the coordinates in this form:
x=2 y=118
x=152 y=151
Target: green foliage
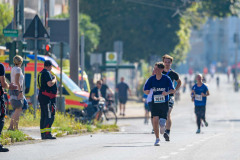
x=144 y=30
x=6 y=15
x=9 y=137
x=220 y=8
x=151 y=29
x=90 y=30
x=63 y=125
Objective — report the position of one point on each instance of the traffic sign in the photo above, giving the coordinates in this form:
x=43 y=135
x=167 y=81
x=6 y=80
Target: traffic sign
x=10 y=32
x=111 y=58
x=36 y=26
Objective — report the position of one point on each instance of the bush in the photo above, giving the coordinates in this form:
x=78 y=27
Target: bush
x=9 y=137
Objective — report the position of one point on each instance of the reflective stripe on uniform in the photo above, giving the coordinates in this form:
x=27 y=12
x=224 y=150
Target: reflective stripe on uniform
x=39 y=79
x=45 y=130
x=42 y=130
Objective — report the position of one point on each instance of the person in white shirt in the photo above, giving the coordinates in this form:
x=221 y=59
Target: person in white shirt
x=16 y=96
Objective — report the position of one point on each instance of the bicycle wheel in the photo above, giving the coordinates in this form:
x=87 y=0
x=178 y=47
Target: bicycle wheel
x=110 y=117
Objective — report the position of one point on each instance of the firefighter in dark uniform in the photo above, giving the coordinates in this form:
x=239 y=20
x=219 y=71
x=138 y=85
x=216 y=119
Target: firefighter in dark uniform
x=47 y=98
x=3 y=84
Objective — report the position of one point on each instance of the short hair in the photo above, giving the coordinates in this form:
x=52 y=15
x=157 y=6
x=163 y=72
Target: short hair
x=166 y=56
x=160 y=65
x=47 y=63
x=99 y=82
x=17 y=60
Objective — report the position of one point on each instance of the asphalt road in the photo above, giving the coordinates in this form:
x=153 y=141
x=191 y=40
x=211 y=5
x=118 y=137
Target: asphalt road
x=219 y=141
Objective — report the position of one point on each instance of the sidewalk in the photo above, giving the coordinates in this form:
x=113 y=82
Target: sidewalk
x=134 y=109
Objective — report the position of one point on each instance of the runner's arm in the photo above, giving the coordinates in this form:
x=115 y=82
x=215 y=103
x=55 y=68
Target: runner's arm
x=193 y=95
x=171 y=91
x=179 y=83
x=205 y=95
x=146 y=91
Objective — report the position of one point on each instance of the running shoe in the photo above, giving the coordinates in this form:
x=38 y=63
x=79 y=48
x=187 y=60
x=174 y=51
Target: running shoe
x=206 y=124
x=152 y=131
x=157 y=142
x=166 y=136
x=198 y=131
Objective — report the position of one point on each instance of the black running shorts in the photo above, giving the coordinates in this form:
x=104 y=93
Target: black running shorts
x=200 y=111
x=160 y=110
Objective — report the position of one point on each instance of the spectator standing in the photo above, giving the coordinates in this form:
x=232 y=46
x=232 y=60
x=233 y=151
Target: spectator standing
x=122 y=89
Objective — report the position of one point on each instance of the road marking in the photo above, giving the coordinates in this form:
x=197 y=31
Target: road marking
x=190 y=145
x=174 y=153
x=164 y=157
x=182 y=149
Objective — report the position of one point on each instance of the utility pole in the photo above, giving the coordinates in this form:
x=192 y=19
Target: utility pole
x=46 y=13
x=82 y=60
x=15 y=7
x=74 y=41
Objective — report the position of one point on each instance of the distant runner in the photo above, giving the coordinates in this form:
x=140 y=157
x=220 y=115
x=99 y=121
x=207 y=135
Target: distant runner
x=162 y=86
x=199 y=96
x=149 y=100
x=167 y=60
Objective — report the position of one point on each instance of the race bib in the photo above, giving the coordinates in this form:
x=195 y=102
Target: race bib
x=159 y=99
x=198 y=97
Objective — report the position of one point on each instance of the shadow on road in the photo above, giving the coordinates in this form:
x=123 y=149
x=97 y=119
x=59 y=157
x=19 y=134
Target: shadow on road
x=229 y=120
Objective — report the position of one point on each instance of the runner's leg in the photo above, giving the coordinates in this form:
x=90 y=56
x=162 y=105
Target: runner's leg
x=169 y=121
x=156 y=126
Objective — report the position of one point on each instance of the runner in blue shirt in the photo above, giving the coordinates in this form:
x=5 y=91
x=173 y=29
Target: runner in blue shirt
x=199 y=96
x=162 y=86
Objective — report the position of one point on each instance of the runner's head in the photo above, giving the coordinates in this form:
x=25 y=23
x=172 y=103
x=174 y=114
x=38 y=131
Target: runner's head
x=167 y=60
x=199 y=78
x=99 y=84
x=158 y=68
x=122 y=79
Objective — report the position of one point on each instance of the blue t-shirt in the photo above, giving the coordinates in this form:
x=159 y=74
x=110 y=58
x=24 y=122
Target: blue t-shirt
x=199 y=100
x=158 y=86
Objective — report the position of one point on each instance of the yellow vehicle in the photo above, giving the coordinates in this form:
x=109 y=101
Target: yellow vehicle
x=75 y=98
x=86 y=85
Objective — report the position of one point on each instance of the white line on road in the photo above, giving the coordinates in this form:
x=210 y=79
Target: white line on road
x=174 y=153
x=190 y=145
x=182 y=149
x=164 y=157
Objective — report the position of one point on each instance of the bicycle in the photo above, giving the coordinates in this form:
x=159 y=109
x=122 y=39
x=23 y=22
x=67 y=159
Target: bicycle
x=102 y=113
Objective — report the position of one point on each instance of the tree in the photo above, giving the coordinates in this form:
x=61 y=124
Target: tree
x=148 y=26
x=90 y=30
x=6 y=15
